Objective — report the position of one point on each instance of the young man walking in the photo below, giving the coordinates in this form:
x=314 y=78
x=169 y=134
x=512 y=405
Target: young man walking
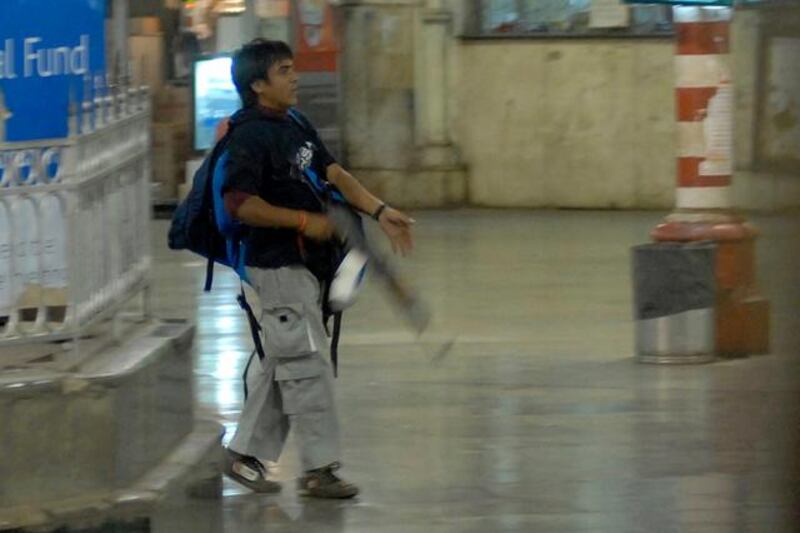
x=288 y=256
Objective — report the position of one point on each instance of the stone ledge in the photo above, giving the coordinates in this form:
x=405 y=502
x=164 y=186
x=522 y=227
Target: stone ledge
x=191 y=469
x=100 y=426
x=102 y=366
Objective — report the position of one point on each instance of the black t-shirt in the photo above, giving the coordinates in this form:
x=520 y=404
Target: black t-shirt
x=267 y=154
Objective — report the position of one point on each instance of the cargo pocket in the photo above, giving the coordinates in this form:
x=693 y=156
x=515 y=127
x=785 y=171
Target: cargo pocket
x=303 y=386
x=286 y=331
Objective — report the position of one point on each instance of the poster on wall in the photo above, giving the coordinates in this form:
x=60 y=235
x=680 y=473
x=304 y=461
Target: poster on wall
x=51 y=51
x=718 y=133
x=317 y=45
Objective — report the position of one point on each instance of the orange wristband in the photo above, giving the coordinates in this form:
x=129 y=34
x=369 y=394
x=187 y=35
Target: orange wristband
x=303 y=222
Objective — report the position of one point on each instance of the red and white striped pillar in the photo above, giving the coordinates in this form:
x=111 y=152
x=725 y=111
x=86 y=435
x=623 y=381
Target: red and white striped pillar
x=704 y=101
x=704 y=202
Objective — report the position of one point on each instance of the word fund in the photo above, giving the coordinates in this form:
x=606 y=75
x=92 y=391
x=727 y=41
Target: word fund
x=33 y=58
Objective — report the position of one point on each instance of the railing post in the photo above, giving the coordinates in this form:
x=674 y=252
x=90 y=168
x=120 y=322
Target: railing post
x=78 y=197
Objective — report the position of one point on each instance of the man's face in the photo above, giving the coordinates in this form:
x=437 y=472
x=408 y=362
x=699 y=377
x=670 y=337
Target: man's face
x=279 y=90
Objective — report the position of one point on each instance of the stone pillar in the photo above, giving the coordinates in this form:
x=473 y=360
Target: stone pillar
x=431 y=87
x=251 y=21
x=704 y=102
x=394 y=72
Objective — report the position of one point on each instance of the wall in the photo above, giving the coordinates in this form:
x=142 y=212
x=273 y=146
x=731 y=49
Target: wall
x=761 y=180
x=574 y=123
x=589 y=124
x=556 y=123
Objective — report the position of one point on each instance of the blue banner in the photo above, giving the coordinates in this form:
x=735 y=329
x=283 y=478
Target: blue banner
x=51 y=53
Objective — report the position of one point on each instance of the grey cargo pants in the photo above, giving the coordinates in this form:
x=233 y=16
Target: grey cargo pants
x=293 y=386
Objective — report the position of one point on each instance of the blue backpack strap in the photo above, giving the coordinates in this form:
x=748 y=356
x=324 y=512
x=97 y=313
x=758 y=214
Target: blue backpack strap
x=235 y=249
x=229 y=227
x=210 y=189
x=210 y=245
x=322 y=187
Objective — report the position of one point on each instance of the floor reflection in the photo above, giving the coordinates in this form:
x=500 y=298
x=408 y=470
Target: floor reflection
x=539 y=419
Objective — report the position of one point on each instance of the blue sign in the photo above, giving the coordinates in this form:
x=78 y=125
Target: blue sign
x=51 y=53
x=215 y=98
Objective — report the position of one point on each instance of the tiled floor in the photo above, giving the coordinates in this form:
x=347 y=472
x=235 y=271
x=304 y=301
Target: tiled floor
x=539 y=419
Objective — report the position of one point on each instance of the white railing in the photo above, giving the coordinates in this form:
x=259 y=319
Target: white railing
x=74 y=221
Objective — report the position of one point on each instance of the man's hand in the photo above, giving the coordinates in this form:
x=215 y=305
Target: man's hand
x=397 y=227
x=318 y=227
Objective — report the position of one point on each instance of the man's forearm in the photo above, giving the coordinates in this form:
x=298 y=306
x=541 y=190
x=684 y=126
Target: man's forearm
x=254 y=211
x=356 y=194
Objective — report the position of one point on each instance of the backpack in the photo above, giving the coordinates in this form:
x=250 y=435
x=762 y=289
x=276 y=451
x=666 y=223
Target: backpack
x=201 y=225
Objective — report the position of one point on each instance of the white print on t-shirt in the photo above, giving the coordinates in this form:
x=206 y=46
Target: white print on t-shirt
x=304 y=155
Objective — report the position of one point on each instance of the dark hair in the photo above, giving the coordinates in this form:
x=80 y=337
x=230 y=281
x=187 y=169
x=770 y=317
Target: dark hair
x=251 y=63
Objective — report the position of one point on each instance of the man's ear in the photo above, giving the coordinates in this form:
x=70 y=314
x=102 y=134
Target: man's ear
x=259 y=86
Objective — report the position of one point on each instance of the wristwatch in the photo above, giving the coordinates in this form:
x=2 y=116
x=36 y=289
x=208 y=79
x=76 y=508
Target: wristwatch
x=377 y=214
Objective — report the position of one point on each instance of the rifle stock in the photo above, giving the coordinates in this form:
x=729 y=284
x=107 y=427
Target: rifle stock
x=348 y=230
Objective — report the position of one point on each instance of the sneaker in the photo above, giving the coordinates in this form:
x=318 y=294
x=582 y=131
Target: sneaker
x=248 y=471
x=323 y=483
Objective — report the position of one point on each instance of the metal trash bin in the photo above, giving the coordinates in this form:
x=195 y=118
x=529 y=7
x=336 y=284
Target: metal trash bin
x=674 y=302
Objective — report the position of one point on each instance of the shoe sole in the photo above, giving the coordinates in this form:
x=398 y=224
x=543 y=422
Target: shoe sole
x=271 y=489
x=309 y=494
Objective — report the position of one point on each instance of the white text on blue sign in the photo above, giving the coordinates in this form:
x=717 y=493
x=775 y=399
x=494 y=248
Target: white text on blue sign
x=36 y=59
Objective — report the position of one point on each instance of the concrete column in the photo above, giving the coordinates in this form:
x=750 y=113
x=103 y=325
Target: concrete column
x=432 y=87
x=251 y=24
x=705 y=110
x=394 y=74
x=430 y=91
